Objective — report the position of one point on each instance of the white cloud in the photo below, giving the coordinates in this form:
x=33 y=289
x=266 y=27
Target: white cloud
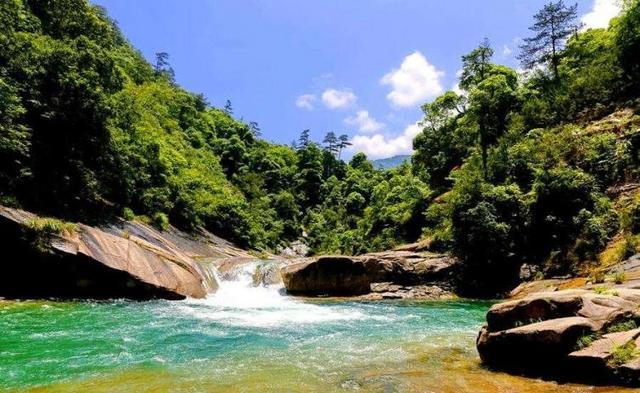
x=506 y=50
x=306 y=101
x=600 y=14
x=364 y=122
x=381 y=146
x=338 y=99
x=414 y=82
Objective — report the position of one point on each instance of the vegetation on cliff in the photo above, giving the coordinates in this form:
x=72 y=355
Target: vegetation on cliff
x=514 y=167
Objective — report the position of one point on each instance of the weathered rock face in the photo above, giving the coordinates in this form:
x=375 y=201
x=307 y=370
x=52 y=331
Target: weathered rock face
x=92 y=263
x=564 y=335
x=349 y=276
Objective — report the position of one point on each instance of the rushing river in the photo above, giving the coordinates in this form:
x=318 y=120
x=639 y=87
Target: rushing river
x=250 y=339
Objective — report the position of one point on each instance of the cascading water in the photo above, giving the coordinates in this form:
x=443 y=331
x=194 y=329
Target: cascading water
x=210 y=274
x=243 y=300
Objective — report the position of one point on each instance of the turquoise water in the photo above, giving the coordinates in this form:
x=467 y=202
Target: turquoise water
x=247 y=339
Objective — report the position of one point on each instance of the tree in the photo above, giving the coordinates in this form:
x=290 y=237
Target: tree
x=162 y=66
x=491 y=101
x=228 y=108
x=255 y=128
x=443 y=143
x=554 y=23
x=476 y=65
x=343 y=142
x=331 y=142
x=628 y=42
x=304 y=139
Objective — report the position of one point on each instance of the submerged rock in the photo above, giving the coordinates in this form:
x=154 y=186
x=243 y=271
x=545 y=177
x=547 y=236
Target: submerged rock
x=564 y=335
x=87 y=262
x=351 y=276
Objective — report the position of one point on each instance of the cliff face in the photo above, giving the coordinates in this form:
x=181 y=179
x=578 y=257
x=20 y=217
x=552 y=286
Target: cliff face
x=123 y=260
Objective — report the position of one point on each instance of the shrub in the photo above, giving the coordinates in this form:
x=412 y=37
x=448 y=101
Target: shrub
x=160 y=221
x=128 y=214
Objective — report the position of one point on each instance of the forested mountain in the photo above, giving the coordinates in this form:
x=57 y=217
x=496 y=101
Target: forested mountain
x=391 y=162
x=516 y=169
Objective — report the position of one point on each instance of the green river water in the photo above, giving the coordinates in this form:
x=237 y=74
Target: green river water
x=249 y=339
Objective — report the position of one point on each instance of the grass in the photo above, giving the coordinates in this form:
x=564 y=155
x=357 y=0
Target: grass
x=51 y=226
x=586 y=341
x=622 y=326
x=601 y=290
x=623 y=353
x=619 y=277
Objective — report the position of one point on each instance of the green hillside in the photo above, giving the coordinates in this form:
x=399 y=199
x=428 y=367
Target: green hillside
x=519 y=168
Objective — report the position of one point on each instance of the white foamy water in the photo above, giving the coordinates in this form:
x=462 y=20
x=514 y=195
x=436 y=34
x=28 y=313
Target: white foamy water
x=238 y=302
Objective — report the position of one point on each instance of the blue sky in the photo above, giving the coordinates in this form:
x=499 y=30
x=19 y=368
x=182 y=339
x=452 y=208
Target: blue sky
x=359 y=67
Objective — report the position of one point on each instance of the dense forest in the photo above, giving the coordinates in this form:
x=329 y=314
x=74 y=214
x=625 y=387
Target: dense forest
x=514 y=167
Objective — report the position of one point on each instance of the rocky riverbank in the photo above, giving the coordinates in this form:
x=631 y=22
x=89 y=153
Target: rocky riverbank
x=47 y=258
x=573 y=335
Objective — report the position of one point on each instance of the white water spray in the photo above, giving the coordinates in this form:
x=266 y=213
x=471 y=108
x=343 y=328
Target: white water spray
x=239 y=302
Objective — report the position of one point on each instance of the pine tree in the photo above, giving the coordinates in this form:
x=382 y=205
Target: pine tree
x=162 y=66
x=554 y=23
x=228 y=108
x=343 y=141
x=331 y=142
x=304 y=140
x=255 y=128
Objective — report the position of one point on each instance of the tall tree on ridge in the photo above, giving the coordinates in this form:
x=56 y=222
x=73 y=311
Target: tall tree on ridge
x=343 y=141
x=476 y=67
x=331 y=141
x=554 y=23
x=162 y=66
x=228 y=108
x=304 y=139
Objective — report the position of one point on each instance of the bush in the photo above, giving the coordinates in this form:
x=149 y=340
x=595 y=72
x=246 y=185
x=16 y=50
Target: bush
x=160 y=221
x=128 y=214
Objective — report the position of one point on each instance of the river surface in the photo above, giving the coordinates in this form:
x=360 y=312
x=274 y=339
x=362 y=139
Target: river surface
x=249 y=339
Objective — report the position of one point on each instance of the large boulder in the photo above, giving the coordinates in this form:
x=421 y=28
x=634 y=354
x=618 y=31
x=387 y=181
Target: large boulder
x=329 y=275
x=349 y=276
x=87 y=262
x=565 y=334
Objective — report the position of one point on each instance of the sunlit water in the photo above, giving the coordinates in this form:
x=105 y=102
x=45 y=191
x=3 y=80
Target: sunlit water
x=249 y=339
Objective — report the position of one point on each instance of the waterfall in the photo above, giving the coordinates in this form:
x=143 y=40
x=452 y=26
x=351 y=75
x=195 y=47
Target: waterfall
x=210 y=275
x=249 y=296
